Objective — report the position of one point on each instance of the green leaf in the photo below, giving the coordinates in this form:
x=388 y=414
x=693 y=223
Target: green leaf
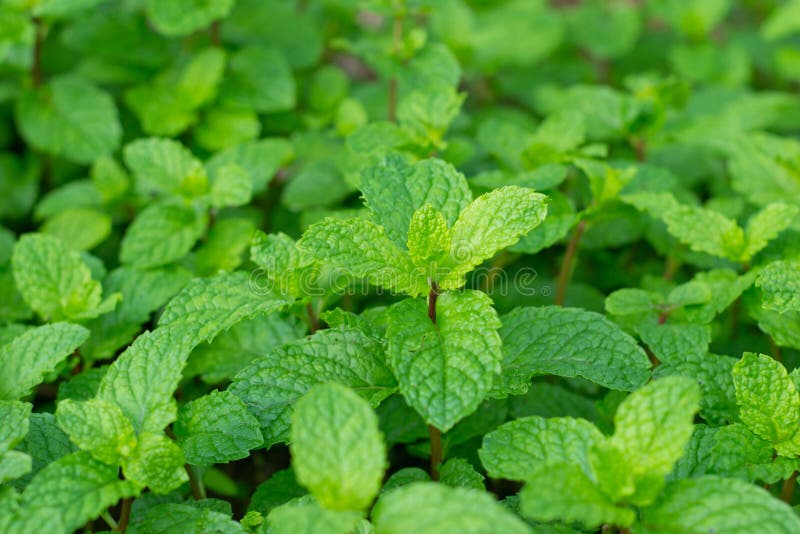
x=429 y=508
x=98 y=427
x=165 y=166
x=161 y=234
x=45 y=443
x=765 y=226
x=720 y=505
x=156 y=462
x=271 y=384
x=780 y=282
x=144 y=377
x=78 y=487
x=308 y=517
x=232 y=186
x=491 y=223
x=182 y=17
x=278 y=489
x=651 y=429
x=738 y=453
x=178 y=518
x=768 y=401
x=216 y=428
x=69 y=117
x=445 y=369
x=568 y=342
x=14 y=464
x=79 y=228
x=426 y=115
x=200 y=77
x=516 y=449
x=261 y=159
x=394 y=190
x=676 y=342
x=563 y=491
x=55 y=281
x=459 y=473
x=337 y=450
x=360 y=249
x=208 y=306
x=428 y=237
x=259 y=79
x=706 y=230
x=25 y=360
x=14 y=423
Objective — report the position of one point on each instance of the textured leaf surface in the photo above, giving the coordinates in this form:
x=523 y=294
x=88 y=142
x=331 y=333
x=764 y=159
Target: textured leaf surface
x=181 y=17
x=156 y=462
x=429 y=508
x=394 y=190
x=14 y=424
x=428 y=236
x=309 y=518
x=780 y=282
x=768 y=401
x=165 y=166
x=720 y=505
x=491 y=223
x=25 y=360
x=142 y=380
x=176 y=518
x=563 y=491
x=55 y=281
x=705 y=230
x=78 y=486
x=259 y=79
x=568 y=342
x=208 y=306
x=337 y=450
x=98 y=427
x=360 y=249
x=765 y=226
x=270 y=385
x=161 y=234
x=261 y=159
x=516 y=449
x=216 y=428
x=445 y=369
x=459 y=473
x=69 y=117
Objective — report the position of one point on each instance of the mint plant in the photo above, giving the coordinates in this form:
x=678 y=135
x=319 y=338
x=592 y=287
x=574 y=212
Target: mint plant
x=399 y=266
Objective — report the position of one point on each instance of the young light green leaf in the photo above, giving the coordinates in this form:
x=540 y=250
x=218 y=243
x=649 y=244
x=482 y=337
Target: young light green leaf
x=259 y=79
x=429 y=508
x=232 y=186
x=651 y=429
x=69 y=117
x=360 y=249
x=516 y=449
x=308 y=517
x=706 y=230
x=98 y=427
x=780 y=282
x=25 y=360
x=563 y=491
x=78 y=487
x=459 y=473
x=271 y=384
x=179 y=518
x=568 y=342
x=261 y=159
x=182 y=17
x=394 y=190
x=156 y=463
x=55 y=281
x=428 y=238
x=768 y=401
x=445 y=370
x=216 y=428
x=14 y=464
x=720 y=505
x=79 y=228
x=161 y=234
x=144 y=377
x=208 y=306
x=337 y=450
x=491 y=223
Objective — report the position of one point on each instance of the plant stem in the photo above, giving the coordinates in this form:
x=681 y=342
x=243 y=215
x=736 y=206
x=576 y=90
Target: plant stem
x=109 y=520
x=36 y=66
x=434 y=433
x=213 y=32
x=397 y=36
x=313 y=320
x=670 y=267
x=776 y=350
x=787 y=489
x=125 y=515
x=436 y=451
x=196 y=482
x=566 y=264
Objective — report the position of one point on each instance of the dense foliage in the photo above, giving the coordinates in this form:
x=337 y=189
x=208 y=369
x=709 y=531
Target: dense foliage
x=399 y=266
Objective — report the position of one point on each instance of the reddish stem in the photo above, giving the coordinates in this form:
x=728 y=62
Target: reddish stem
x=566 y=264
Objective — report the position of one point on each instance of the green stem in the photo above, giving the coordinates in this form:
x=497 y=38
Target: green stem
x=196 y=482
x=313 y=320
x=787 y=489
x=36 y=66
x=436 y=451
x=109 y=520
x=565 y=272
x=213 y=31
